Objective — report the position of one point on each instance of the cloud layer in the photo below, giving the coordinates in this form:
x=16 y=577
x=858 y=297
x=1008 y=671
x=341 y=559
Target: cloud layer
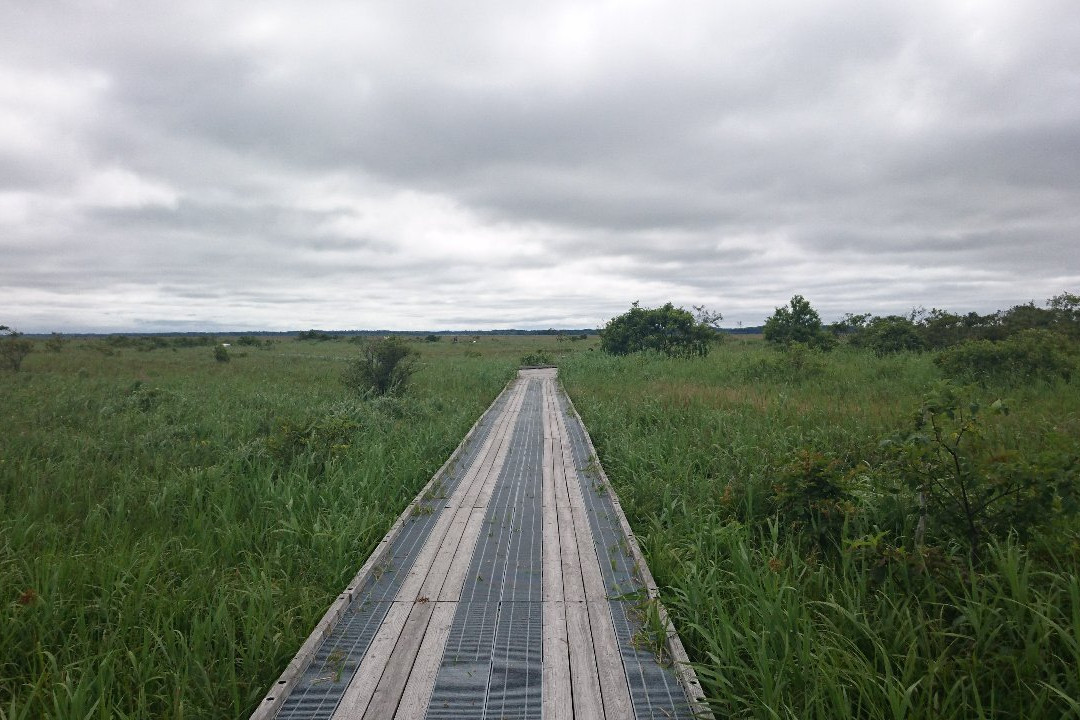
x=415 y=165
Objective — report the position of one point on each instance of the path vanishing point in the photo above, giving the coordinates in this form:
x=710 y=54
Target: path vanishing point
x=511 y=587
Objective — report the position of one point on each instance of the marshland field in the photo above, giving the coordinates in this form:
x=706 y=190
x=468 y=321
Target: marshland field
x=837 y=534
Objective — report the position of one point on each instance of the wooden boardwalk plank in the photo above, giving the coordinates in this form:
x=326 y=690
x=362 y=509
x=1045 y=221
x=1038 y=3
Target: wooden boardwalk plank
x=610 y=670
x=584 y=676
x=581 y=668
x=463 y=496
x=380 y=679
x=384 y=700
x=585 y=682
x=414 y=700
x=552 y=585
x=358 y=695
x=557 y=698
x=459 y=566
x=609 y=664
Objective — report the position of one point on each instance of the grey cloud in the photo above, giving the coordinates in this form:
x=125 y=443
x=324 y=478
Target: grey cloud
x=519 y=163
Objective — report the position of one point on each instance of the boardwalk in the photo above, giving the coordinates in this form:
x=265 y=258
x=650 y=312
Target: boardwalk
x=510 y=588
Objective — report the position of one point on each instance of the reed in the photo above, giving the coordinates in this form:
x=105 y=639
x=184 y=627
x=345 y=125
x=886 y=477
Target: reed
x=779 y=627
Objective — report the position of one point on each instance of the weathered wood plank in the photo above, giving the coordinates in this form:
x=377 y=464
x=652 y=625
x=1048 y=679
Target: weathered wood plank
x=551 y=561
x=588 y=702
x=556 y=691
x=556 y=695
x=429 y=571
x=609 y=664
x=459 y=566
x=573 y=586
x=612 y=674
x=357 y=696
x=582 y=554
x=440 y=567
x=388 y=691
x=421 y=683
x=487 y=486
x=463 y=496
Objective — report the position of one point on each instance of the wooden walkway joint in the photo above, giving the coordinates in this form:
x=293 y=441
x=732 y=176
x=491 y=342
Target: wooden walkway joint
x=512 y=587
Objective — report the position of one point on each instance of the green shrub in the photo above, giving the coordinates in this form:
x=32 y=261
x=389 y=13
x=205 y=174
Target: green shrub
x=970 y=484
x=669 y=330
x=797 y=322
x=797 y=363
x=55 y=343
x=148 y=399
x=891 y=334
x=1031 y=354
x=1066 y=311
x=1024 y=317
x=384 y=367
x=316 y=441
x=537 y=358
x=13 y=348
x=811 y=497
x=221 y=354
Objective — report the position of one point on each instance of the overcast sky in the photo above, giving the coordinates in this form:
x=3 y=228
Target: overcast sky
x=500 y=163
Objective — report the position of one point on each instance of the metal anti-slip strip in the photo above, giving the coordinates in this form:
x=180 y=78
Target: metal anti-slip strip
x=314 y=682
x=392 y=672
x=491 y=662
x=512 y=588
x=664 y=689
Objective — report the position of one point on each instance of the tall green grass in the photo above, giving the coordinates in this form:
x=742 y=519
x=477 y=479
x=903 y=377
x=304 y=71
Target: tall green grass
x=171 y=527
x=781 y=628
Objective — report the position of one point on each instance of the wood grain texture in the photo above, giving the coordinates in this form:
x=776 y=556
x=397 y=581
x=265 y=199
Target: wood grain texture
x=380 y=679
x=581 y=665
x=357 y=696
x=556 y=696
x=588 y=702
x=417 y=694
x=275 y=698
x=387 y=695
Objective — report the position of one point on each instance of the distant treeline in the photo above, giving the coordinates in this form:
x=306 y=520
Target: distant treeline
x=309 y=334
x=316 y=334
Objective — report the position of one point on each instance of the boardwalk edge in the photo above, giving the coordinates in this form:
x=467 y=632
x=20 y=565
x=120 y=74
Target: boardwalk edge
x=273 y=700
x=684 y=671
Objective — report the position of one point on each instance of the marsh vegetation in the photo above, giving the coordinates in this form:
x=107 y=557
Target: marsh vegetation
x=172 y=527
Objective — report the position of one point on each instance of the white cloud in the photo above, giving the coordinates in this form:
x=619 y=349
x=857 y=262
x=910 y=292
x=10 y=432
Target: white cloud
x=119 y=188
x=417 y=165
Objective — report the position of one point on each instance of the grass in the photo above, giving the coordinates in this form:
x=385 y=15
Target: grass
x=783 y=627
x=172 y=527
